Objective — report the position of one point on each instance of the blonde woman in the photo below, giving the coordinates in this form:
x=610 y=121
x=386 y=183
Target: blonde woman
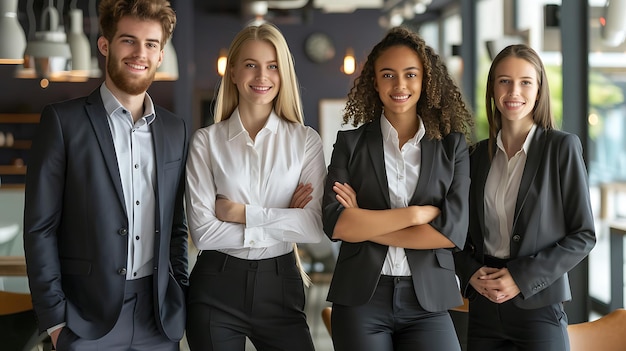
x=254 y=189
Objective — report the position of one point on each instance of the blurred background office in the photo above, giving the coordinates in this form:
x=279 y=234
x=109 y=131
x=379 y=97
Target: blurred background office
x=48 y=53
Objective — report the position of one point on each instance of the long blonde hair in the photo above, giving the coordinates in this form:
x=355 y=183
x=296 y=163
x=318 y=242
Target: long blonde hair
x=287 y=104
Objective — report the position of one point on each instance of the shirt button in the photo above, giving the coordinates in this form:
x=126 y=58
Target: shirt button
x=136 y=166
x=135 y=274
x=137 y=203
x=121 y=271
x=137 y=237
x=122 y=231
x=251 y=242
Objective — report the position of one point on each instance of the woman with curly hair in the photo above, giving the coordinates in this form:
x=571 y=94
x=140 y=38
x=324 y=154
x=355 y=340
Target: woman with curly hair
x=396 y=196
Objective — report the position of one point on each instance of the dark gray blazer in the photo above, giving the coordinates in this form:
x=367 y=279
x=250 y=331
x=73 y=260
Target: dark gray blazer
x=358 y=159
x=75 y=223
x=553 y=229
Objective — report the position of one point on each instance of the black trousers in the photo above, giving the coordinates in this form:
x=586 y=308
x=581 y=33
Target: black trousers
x=135 y=330
x=506 y=327
x=392 y=320
x=231 y=299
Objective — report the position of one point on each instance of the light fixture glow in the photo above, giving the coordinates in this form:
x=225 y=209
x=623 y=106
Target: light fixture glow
x=221 y=63
x=349 y=62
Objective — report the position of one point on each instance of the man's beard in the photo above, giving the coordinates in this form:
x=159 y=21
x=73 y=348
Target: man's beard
x=130 y=86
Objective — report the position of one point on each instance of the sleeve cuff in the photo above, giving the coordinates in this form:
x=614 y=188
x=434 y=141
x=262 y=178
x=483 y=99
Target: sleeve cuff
x=56 y=327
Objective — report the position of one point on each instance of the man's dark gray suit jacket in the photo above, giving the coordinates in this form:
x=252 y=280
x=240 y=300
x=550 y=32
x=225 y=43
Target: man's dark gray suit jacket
x=553 y=227
x=358 y=159
x=75 y=223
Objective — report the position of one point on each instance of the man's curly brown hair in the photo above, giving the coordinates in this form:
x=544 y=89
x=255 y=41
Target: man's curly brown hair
x=440 y=106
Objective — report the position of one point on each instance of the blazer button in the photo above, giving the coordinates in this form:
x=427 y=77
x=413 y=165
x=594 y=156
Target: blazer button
x=121 y=271
x=122 y=231
x=516 y=237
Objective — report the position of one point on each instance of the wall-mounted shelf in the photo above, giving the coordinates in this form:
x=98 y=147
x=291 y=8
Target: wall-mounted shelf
x=19 y=144
x=12 y=170
x=13 y=156
x=19 y=118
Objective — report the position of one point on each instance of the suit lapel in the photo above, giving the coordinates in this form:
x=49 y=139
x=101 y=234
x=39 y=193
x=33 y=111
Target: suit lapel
x=533 y=160
x=375 y=147
x=98 y=117
x=157 y=140
x=426 y=169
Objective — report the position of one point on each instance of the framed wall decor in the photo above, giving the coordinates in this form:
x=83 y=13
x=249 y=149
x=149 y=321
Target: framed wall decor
x=331 y=121
x=203 y=105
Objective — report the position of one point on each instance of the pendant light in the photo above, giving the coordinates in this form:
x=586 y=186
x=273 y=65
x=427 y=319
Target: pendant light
x=221 y=62
x=79 y=47
x=349 y=62
x=49 y=51
x=12 y=37
x=169 y=66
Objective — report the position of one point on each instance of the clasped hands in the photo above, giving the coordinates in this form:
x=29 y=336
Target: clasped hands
x=496 y=284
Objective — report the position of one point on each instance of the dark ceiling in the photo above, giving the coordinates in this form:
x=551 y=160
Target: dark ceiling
x=235 y=7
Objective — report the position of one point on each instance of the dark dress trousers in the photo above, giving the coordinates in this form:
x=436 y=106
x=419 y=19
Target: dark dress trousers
x=358 y=159
x=76 y=227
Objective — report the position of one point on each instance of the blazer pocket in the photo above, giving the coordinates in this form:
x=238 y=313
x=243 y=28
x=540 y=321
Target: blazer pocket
x=445 y=259
x=75 y=267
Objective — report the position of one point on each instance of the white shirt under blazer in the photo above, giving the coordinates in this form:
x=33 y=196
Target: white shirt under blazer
x=262 y=174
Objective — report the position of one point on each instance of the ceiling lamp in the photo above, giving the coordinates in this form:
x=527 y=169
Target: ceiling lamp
x=49 y=51
x=221 y=62
x=349 y=62
x=79 y=47
x=12 y=37
x=169 y=66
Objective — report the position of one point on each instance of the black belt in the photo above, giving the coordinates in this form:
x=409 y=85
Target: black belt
x=139 y=285
x=393 y=279
x=495 y=262
x=266 y=264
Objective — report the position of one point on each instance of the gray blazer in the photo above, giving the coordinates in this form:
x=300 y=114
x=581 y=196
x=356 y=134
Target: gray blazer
x=75 y=223
x=358 y=159
x=553 y=229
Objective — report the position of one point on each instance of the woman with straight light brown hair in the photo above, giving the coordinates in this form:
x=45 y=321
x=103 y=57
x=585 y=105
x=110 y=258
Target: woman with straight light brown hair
x=530 y=214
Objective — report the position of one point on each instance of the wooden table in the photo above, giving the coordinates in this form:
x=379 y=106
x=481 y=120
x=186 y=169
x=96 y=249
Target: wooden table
x=12 y=266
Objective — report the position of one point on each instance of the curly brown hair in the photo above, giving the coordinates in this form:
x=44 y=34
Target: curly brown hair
x=441 y=104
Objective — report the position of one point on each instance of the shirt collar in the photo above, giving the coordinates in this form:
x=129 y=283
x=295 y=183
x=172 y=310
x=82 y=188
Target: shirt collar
x=388 y=131
x=526 y=146
x=235 y=126
x=111 y=104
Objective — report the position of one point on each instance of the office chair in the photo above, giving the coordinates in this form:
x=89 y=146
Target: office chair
x=607 y=333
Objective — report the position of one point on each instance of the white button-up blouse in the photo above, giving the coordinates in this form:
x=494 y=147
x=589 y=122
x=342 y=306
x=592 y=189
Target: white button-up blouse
x=262 y=174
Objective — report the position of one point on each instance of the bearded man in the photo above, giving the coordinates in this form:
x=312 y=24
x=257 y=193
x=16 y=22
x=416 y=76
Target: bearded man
x=105 y=234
